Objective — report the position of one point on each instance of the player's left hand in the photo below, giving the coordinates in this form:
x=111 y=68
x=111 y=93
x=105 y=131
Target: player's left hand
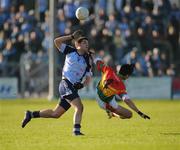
x=143 y=115
x=76 y=34
x=78 y=85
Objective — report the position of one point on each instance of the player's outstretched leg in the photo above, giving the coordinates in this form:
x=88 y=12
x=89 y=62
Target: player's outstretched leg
x=27 y=118
x=47 y=113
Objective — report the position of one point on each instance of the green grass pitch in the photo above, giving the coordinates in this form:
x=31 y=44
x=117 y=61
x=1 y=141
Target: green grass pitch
x=162 y=132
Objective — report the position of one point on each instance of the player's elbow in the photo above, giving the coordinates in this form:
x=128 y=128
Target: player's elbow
x=57 y=42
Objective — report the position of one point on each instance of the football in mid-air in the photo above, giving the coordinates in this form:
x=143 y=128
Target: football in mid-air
x=82 y=13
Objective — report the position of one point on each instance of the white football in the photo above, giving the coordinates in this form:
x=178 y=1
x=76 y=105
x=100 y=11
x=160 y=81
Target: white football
x=82 y=13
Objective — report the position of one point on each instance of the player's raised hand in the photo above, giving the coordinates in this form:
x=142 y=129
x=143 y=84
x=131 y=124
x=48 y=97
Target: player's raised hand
x=76 y=34
x=143 y=115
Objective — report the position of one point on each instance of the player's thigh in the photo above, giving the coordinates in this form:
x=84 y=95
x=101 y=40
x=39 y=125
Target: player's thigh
x=123 y=112
x=100 y=103
x=111 y=106
x=113 y=103
x=77 y=104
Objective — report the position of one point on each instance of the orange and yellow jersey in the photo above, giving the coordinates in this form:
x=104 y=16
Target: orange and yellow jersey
x=110 y=84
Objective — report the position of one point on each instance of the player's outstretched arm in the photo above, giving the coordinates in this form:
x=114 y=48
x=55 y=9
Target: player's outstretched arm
x=99 y=64
x=131 y=104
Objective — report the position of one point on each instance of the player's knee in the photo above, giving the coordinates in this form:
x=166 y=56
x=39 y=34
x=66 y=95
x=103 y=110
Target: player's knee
x=79 y=108
x=129 y=115
x=56 y=115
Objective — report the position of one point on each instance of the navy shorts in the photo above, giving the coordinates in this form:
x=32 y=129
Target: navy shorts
x=67 y=91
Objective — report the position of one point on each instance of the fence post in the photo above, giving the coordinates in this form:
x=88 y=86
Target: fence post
x=52 y=56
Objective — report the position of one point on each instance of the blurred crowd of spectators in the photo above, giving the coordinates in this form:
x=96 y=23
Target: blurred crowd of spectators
x=143 y=32
x=21 y=32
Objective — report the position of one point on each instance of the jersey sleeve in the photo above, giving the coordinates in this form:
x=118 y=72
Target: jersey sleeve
x=100 y=65
x=66 y=49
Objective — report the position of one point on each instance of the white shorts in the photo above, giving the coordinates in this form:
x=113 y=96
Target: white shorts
x=122 y=97
x=113 y=103
x=102 y=104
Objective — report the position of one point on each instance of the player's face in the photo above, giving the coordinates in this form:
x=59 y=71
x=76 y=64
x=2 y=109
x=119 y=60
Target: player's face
x=126 y=77
x=123 y=77
x=84 y=45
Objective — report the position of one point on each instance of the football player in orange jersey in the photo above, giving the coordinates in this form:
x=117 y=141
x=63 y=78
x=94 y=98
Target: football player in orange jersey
x=110 y=86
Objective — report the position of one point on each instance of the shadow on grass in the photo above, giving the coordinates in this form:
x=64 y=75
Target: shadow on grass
x=171 y=133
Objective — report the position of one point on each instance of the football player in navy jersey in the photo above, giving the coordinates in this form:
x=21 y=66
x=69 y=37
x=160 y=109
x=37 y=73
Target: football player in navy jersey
x=75 y=75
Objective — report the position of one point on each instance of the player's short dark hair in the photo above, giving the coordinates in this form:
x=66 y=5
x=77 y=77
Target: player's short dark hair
x=126 y=69
x=80 y=39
